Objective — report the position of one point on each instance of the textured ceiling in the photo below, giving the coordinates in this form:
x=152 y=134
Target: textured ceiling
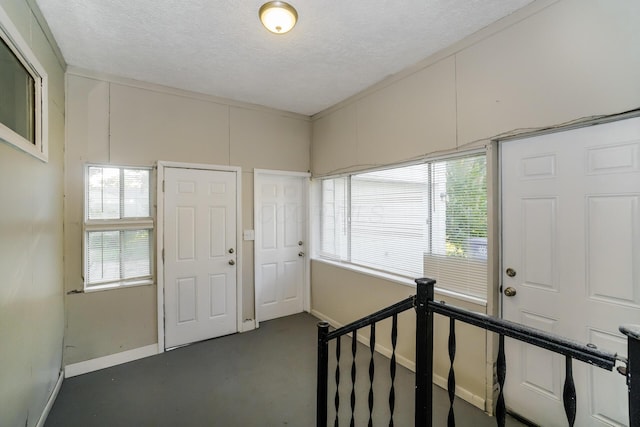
x=219 y=47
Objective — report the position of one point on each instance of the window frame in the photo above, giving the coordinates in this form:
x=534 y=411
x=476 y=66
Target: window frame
x=120 y=224
x=330 y=258
x=21 y=50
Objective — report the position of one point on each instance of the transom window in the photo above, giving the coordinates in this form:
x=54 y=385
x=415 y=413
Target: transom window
x=23 y=93
x=427 y=219
x=118 y=227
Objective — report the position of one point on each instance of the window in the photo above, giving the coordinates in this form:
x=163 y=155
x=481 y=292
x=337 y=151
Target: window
x=427 y=219
x=118 y=227
x=23 y=93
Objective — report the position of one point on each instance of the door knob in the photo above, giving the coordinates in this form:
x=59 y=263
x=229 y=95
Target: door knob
x=300 y=243
x=231 y=250
x=301 y=254
x=510 y=292
x=232 y=262
x=511 y=272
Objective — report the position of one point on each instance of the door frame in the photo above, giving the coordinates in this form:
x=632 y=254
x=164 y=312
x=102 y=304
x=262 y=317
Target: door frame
x=257 y=199
x=161 y=165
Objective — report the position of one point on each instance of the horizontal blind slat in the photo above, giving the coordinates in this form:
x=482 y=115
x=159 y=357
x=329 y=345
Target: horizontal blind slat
x=426 y=219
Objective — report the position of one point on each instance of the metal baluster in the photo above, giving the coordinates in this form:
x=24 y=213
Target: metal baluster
x=337 y=398
x=569 y=393
x=501 y=370
x=392 y=367
x=632 y=371
x=323 y=371
x=372 y=346
x=451 y=383
x=354 y=342
x=424 y=353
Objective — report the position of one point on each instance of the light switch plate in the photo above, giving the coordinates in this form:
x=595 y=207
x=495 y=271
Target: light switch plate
x=249 y=235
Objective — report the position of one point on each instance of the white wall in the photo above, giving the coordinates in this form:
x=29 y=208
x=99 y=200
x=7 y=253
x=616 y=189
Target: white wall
x=117 y=121
x=550 y=63
x=31 y=266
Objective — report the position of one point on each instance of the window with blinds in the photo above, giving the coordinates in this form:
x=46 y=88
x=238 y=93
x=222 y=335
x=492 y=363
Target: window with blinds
x=118 y=227
x=422 y=220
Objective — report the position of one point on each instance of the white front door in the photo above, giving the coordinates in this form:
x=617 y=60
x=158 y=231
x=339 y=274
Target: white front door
x=571 y=239
x=199 y=255
x=281 y=223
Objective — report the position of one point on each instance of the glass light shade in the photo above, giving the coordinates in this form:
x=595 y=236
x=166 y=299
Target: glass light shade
x=278 y=17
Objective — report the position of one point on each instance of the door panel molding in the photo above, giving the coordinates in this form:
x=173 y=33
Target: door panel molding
x=161 y=165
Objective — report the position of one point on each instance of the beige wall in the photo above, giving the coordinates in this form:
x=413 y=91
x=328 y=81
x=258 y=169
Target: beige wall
x=337 y=296
x=539 y=67
x=31 y=266
x=114 y=121
x=553 y=62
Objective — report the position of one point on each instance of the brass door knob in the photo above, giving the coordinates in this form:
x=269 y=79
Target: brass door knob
x=511 y=272
x=509 y=292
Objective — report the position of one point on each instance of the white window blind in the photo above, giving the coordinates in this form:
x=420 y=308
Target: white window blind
x=423 y=220
x=389 y=212
x=334 y=227
x=457 y=256
x=118 y=226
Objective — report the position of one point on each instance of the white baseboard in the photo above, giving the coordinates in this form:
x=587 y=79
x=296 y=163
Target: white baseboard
x=403 y=361
x=462 y=393
x=51 y=400
x=248 y=325
x=110 y=360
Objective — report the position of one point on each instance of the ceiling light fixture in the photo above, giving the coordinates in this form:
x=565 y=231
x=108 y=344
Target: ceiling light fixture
x=278 y=17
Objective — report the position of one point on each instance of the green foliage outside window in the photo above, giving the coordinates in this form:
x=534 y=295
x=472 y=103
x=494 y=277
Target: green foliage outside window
x=466 y=194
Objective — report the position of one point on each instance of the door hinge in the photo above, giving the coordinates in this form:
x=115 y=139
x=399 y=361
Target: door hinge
x=163 y=185
x=163 y=255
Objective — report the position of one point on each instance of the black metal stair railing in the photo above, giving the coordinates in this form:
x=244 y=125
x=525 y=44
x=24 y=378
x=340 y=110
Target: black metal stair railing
x=426 y=307
x=324 y=337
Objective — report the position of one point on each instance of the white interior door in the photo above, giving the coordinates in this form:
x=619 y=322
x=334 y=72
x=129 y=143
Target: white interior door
x=200 y=255
x=571 y=236
x=280 y=254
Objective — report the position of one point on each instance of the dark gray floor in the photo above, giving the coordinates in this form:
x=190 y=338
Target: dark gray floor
x=262 y=378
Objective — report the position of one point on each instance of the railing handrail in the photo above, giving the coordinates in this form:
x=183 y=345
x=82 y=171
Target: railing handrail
x=579 y=351
x=379 y=315
x=425 y=306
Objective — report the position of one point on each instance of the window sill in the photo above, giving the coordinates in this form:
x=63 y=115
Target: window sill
x=118 y=285
x=400 y=280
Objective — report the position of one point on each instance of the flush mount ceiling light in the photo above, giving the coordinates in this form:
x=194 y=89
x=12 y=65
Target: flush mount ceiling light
x=278 y=17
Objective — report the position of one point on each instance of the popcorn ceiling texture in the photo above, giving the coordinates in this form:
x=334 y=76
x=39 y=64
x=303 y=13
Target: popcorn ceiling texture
x=219 y=47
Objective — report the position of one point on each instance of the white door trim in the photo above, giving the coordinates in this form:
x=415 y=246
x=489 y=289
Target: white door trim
x=160 y=237
x=306 y=287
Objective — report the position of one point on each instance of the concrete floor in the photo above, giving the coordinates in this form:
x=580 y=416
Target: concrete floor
x=263 y=378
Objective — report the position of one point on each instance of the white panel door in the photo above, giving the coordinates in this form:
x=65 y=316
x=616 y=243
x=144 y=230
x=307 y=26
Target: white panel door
x=571 y=235
x=199 y=255
x=281 y=222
